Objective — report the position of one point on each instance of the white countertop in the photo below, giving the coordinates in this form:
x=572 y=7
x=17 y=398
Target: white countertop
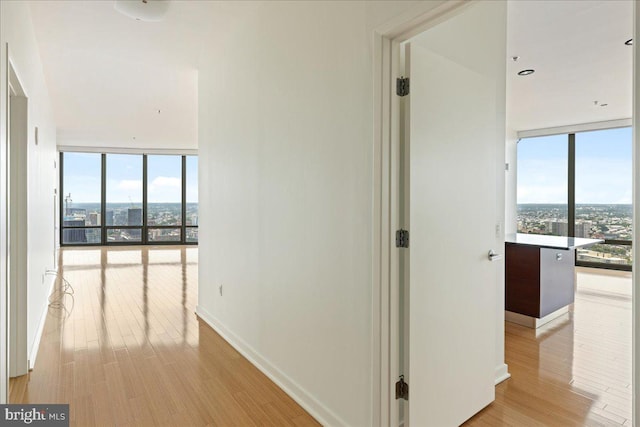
x=553 y=242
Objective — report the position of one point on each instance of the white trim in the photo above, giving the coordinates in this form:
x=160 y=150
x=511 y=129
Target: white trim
x=4 y=238
x=502 y=373
x=33 y=354
x=582 y=127
x=18 y=229
x=126 y=150
x=305 y=399
x=533 y=322
x=387 y=39
x=635 y=310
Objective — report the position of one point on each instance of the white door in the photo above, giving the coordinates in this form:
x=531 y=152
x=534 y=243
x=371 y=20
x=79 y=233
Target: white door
x=456 y=113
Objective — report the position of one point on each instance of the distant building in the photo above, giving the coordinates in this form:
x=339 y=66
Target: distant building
x=109 y=217
x=583 y=229
x=134 y=217
x=74 y=235
x=94 y=218
x=77 y=212
x=558 y=228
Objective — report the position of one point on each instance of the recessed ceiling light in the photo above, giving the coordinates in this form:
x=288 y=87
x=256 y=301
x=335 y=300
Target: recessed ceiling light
x=143 y=10
x=526 y=72
x=629 y=42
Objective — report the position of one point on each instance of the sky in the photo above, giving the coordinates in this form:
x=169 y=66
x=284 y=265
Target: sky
x=603 y=168
x=124 y=178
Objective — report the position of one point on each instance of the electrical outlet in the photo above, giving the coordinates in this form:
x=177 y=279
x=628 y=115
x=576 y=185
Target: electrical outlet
x=220 y=289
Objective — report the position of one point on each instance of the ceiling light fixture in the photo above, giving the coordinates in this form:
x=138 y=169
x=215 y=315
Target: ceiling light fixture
x=526 y=72
x=143 y=10
x=629 y=42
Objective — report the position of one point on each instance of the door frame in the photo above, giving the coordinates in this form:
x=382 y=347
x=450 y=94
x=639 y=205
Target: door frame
x=17 y=211
x=386 y=263
x=385 y=296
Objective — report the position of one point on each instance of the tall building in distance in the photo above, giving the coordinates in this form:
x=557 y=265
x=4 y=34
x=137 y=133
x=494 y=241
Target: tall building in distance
x=74 y=235
x=109 y=217
x=93 y=219
x=134 y=217
x=558 y=228
x=583 y=229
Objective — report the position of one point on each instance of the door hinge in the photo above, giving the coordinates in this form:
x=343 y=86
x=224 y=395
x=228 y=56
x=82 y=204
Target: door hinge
x=402 y=238
x=402 y=389
x=402 y=86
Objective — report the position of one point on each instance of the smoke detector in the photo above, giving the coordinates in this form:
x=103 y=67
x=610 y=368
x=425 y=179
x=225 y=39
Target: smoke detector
x=143 y=10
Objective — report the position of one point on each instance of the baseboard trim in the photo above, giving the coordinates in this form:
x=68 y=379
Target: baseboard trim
x=33 y=354
x=502 y=373
x=310 y=404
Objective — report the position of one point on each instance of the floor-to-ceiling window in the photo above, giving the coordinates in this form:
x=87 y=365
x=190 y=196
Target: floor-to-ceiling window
x=128 y=198
x=579 y=185
x=81 y=208
x=124 y=198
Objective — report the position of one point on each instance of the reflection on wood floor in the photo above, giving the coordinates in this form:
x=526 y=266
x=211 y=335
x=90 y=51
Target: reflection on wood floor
x=574 y=371
x=124 y=347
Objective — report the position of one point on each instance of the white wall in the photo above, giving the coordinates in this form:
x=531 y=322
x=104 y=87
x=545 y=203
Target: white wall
x=17 y=32
x=286 y=183
x=511 y=182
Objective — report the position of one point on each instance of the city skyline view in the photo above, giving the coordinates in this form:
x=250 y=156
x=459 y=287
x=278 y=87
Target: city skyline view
x=84 y=217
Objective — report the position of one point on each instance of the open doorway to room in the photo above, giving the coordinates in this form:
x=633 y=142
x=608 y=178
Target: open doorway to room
x=576 y=401
x=17 y=226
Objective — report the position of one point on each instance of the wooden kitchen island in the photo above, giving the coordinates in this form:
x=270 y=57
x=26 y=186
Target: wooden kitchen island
x=540 y=277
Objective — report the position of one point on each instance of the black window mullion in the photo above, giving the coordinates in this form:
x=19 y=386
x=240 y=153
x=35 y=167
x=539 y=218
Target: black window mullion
x=183 y=226
x=571 y=203
x=103 y=199
x=61 y=195
x=144 y=237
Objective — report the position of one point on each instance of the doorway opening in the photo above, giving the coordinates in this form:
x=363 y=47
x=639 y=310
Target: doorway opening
x=17 y=226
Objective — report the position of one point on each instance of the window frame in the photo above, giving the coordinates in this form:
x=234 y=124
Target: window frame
x=144 y=227
x=571 y=205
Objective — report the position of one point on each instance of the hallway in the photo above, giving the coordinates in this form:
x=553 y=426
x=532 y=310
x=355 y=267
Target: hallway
x=122 y=346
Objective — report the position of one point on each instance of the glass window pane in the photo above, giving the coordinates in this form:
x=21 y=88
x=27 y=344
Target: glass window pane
x=164 y=190
x=124 y=190
x=124 y=235
x=543 y=185
x=192 y=234
x=163 y=234
x=192 y=192
x=82 y=188
x=80 y=236
x=603 y=184
x=606 y=254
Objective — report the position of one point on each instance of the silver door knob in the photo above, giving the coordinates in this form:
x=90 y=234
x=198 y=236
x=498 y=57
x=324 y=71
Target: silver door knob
x=493 y=256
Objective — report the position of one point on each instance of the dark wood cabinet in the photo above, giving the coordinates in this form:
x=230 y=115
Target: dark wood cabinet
x=539 y=276
x=540 y=280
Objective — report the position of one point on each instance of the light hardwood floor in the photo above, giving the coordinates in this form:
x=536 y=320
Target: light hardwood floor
x=574 y=371
x=127 y=350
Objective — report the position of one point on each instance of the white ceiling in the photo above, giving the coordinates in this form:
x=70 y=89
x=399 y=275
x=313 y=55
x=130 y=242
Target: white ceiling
x=577 y=49
x=108 y=75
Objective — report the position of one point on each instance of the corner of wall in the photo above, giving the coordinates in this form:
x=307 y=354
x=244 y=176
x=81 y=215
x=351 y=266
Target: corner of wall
x=316 y=409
